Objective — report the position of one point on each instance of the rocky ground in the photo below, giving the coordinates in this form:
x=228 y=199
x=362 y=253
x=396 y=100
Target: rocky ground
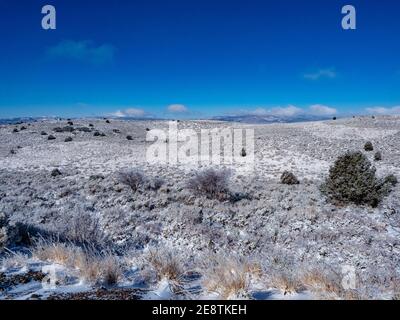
x=295 y=240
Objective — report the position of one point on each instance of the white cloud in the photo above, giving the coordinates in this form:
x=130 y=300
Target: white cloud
x=384 y=111
x=289 y=111
x=131 y=112
x=321 y=73
x=321 y=110
x=83 y=51
x=177 y=108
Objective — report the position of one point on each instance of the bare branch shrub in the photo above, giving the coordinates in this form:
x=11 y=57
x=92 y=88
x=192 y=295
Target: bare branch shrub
x=81 y=227
x=211 y=183
x=132 y=178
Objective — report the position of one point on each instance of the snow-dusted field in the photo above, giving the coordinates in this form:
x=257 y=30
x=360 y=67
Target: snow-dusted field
x=273 y=242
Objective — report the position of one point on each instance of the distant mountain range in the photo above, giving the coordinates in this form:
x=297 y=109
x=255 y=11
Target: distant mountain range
x=34 y=119
x=271 y=118
x=18 y=120
x=231 y=118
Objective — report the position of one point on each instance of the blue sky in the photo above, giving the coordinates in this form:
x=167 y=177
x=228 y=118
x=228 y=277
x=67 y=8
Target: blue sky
x=198 y=58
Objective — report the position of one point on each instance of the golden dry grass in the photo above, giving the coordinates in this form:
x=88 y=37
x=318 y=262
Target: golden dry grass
x=287 y=283
x=165 y=264
x=327 y=287
x=55 y=252
x=230 y=277
x=93 y=267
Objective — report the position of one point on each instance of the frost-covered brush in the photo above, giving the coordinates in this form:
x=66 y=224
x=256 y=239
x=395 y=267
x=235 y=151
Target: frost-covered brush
x=81 y=228
x=13 y=259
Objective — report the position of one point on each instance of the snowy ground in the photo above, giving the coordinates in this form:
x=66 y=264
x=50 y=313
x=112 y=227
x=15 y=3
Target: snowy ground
x=298 y=241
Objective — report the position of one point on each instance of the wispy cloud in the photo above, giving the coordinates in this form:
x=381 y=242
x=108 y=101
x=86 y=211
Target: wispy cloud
x=177 y=108
x=384 y=110
x=85 y=51
x=130 y=112
x=321 y=74
x=321 y=110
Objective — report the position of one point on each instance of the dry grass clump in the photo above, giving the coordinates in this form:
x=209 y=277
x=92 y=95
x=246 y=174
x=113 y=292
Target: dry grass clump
x=230 y=277
x=285 y=281
x=327 y=285
x=99 y=268
x=165 y=265
x=321 y=282
x=56 y=252
x=111 y=270
x=212 y=183
x=93 y=266
x=282 y=272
